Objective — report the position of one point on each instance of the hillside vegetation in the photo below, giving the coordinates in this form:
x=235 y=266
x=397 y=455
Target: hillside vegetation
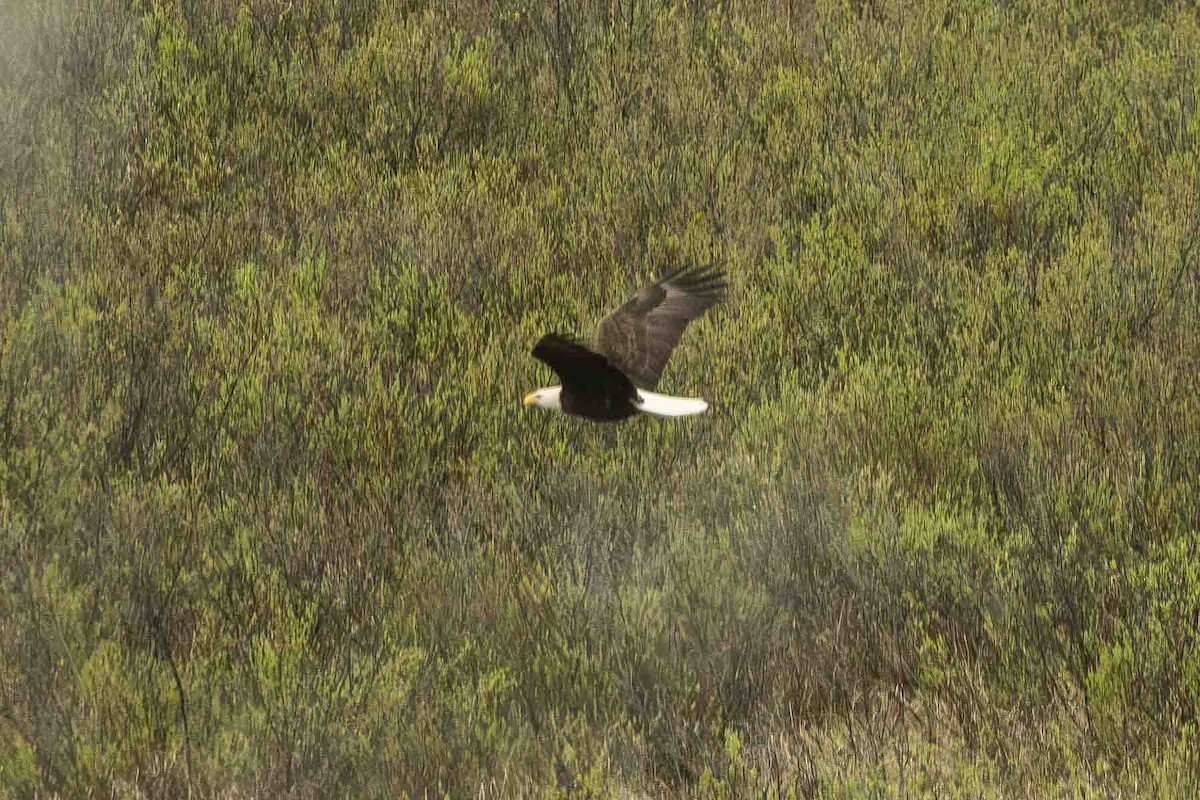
x=274 y=523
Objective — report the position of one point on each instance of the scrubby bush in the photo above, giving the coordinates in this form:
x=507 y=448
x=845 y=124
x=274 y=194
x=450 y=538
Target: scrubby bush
x=272 y=519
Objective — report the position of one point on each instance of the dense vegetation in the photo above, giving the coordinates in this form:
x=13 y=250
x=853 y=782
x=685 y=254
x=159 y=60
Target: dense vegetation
x=274 y=523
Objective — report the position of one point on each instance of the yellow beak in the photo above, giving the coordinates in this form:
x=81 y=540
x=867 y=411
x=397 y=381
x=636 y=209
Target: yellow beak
x=530 y=399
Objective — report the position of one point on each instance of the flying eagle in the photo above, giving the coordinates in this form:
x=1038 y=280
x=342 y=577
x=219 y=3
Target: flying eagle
x=612 y=381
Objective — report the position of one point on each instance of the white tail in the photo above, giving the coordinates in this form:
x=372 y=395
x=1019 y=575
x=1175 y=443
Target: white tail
x=663 y=405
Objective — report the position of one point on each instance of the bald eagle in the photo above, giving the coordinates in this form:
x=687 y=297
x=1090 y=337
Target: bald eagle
x=612 y=381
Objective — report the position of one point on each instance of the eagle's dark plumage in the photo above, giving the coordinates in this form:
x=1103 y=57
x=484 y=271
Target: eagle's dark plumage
x=613 y=380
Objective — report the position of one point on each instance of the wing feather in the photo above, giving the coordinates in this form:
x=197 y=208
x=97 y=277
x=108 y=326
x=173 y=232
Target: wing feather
x=639 y=336
x=580 y=368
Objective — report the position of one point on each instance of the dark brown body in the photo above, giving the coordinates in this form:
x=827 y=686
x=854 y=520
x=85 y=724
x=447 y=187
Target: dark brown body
x=608 y=407
x=591 y=386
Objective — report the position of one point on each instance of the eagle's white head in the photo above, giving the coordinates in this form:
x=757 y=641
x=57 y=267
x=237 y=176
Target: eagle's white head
x=548 y=398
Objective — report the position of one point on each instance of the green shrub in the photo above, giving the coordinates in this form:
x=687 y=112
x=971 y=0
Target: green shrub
x=275 y=522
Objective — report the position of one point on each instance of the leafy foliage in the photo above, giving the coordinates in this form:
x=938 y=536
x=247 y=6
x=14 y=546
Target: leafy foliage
x=274 y=522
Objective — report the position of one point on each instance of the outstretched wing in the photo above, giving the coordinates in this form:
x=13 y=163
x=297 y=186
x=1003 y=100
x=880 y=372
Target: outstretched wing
x=639 y=336
x=581 y=369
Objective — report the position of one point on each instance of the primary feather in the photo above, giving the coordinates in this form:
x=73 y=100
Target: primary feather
x=639 y=337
